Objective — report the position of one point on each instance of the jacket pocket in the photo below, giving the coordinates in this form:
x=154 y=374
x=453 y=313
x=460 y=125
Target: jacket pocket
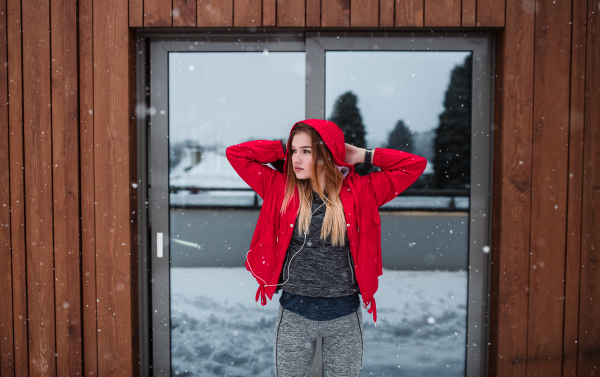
x=374 y=234
x=374 y=209
x=376 y=218
x=260 y=260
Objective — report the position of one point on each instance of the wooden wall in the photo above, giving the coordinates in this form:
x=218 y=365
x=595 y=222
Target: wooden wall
x=68 y=212
x=68 y=286
x=317 y=13
x=545 y=281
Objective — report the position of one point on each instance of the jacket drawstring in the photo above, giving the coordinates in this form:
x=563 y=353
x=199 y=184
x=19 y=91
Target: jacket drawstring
x=372 y=309
x=263 y=297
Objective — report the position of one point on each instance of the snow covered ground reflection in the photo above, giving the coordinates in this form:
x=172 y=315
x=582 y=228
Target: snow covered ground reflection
x=216 y=330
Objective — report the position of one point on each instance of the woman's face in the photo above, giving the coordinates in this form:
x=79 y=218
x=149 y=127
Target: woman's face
x=302 y=156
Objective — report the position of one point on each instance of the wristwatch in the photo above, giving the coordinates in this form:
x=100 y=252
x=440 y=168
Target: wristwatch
x=368 y=158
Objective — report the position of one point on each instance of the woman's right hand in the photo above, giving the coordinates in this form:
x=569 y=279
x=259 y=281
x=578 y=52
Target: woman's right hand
x=354 y=155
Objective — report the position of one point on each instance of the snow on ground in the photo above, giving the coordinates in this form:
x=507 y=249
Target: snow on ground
x=216 y=330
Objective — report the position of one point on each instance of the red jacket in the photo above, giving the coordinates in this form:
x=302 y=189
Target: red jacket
x=360 y=196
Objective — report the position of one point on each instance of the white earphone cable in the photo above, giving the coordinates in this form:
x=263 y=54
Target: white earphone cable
x=290 y=262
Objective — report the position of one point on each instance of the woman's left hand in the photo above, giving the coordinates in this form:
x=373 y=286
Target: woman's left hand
x=354 y=155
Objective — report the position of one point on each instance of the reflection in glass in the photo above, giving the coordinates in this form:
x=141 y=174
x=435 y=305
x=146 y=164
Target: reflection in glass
x=419 y=102
x=412 y=101
x=219 y=99
x=215 y=100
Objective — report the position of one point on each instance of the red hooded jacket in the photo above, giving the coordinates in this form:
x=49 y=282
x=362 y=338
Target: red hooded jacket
x=360 y=196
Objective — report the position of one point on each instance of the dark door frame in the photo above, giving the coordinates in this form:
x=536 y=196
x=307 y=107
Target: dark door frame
x=152 y=49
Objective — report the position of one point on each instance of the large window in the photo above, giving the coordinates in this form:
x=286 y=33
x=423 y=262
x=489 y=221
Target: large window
x=425 y=93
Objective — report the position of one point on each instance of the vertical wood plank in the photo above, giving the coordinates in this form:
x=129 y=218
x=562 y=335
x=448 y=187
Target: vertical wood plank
x=247 y=13
x=112 y=167
x=269 y=13
x=65 y=183
x=215 y=13
x=37 y=103
x=184 y=13
x=136 y=13
x=17 y=198
x=589 y=304
x=86 y=140
x=497 y=203
x=6 y=303
x=313 y=13
x=364 y=13
x=409 y=13
x=157 y=13
x=440 y=13
x=575 y=181
x=386 y=13
x=469 y=13
x=290 y=13
x=335 y=13
x=512 y=211
x=134 y=183
x=491 y=13
x=552 y=61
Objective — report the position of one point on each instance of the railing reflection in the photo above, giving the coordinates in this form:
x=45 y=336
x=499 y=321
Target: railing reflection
x=410 y=200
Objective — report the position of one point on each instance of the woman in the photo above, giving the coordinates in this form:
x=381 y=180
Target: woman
x=335 y=254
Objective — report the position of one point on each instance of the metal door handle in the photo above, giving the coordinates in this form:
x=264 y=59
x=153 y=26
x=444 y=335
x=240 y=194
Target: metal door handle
x=159 y=245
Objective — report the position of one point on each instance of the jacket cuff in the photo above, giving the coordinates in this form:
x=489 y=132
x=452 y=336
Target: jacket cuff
x=377 y=156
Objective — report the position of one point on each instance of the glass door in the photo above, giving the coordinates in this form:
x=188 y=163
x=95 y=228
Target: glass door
x=418 y=102
x=218 y=93
x=425 y=94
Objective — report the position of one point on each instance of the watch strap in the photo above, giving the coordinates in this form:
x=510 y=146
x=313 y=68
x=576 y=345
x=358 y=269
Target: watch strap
x=368 y=158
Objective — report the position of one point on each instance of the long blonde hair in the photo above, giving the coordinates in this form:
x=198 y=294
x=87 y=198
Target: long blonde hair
x=334 y=223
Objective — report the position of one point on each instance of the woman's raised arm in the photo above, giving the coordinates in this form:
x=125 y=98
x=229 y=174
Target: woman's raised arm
x=247 y=160
x=399 y=170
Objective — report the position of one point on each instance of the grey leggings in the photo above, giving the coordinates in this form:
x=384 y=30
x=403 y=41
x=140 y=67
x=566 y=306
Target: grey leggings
x=294 y=343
